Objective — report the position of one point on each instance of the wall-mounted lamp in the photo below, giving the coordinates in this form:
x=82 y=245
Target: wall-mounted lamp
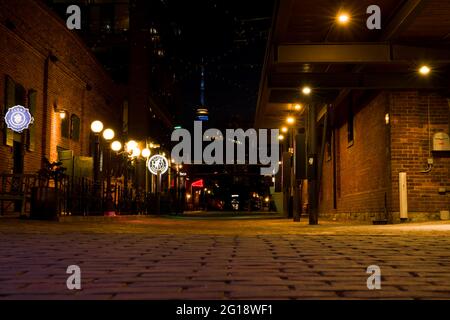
x=62 y=113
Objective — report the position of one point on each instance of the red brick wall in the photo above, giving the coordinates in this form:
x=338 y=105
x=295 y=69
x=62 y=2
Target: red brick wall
x=370 y=167
x=23 y=51
x=362 y=167
x=23 y=64
x=410 y=150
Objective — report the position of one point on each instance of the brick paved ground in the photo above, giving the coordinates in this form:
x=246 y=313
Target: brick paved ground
x=179 y=258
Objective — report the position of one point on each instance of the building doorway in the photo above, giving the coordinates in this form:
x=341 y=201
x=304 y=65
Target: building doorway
x=18 y=167
x=18 y=163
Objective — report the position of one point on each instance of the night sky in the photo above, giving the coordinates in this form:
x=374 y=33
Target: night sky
x=230 y=37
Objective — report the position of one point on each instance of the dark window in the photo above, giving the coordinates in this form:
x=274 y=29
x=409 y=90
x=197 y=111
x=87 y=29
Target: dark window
x=75 y=127
x=350 y=125
x=65 y=127
x=20 y=95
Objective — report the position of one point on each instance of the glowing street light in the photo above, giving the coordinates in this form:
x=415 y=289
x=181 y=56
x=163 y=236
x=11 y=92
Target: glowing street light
x=108 y=134
x=343 y=18
x=298 y=107
x=131 y=145
x=424 y=70
x=290 y=120
x=97 y=126
x=280 y=137
x=146 y=153
x=284 y=129
x=116 y=146
x=306 y=90
x=136 y=152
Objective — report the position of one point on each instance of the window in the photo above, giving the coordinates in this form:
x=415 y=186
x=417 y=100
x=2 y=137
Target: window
x=65 y=127
x=15 y=94
x=75 y=127
x=350 y=125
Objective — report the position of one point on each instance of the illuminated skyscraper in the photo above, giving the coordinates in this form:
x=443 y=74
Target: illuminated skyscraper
x=202 y=110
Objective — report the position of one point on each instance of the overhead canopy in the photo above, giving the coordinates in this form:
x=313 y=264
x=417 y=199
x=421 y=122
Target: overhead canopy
x=308 y=47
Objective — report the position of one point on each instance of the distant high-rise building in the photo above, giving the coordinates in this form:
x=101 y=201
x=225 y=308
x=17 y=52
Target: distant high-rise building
x=202 y=113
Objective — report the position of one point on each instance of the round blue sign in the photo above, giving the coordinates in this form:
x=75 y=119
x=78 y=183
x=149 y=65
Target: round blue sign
x=18 y=118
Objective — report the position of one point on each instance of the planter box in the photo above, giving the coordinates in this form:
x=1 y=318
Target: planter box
x=44 y=203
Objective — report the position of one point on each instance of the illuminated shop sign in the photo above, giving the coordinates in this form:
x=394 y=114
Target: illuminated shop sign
x=18 y=118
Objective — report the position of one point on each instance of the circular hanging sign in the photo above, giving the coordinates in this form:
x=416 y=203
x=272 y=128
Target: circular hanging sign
x=18 y=118
x=158 y=164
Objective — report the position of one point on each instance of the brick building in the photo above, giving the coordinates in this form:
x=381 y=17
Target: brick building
x=371 y=114
x=391 y=134
x=47 y=68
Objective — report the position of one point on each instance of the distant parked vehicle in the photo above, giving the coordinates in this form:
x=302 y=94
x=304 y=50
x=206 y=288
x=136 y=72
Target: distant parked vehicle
x=235 y=204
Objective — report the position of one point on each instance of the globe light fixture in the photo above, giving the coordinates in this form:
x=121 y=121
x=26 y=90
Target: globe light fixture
x=131 y=145
x=306 y=90
x=146 y=153
x=280 y=137
x=97 y=126
x=284 y=129
x=290 y=120
x=108 y=134
x=298 y=107
x=116 y=146
x=343 y=18
x=136 y=152
x=424 y=70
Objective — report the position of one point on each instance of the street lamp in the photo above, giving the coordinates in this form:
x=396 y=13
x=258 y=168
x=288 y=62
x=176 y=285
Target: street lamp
x=131 y=145
x=306 y=90
x=96 y=128
x=298 y=107
x=108 y=135
x=343 y=18
x=116 y=146
x=146 y=153
x=135 y=152
x=290 y=120
x=424 y=70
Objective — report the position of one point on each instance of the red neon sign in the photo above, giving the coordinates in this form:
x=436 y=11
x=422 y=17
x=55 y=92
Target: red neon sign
x=197 y=184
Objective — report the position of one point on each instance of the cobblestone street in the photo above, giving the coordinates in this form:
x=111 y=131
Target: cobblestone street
x=182 y=258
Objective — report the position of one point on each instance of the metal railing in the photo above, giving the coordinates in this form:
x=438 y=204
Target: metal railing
x=76 y=196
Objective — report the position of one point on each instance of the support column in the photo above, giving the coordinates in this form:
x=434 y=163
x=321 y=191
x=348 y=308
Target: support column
x=295 y=181
x=312 y=166
x=286 y=182
x=299 y=171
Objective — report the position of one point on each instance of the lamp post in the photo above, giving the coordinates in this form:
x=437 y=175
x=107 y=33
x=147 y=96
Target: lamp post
x=146 y=153
x=109 y=210
x=96 y=128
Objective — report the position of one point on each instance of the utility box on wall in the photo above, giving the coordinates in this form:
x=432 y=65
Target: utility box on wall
x=441 y=142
